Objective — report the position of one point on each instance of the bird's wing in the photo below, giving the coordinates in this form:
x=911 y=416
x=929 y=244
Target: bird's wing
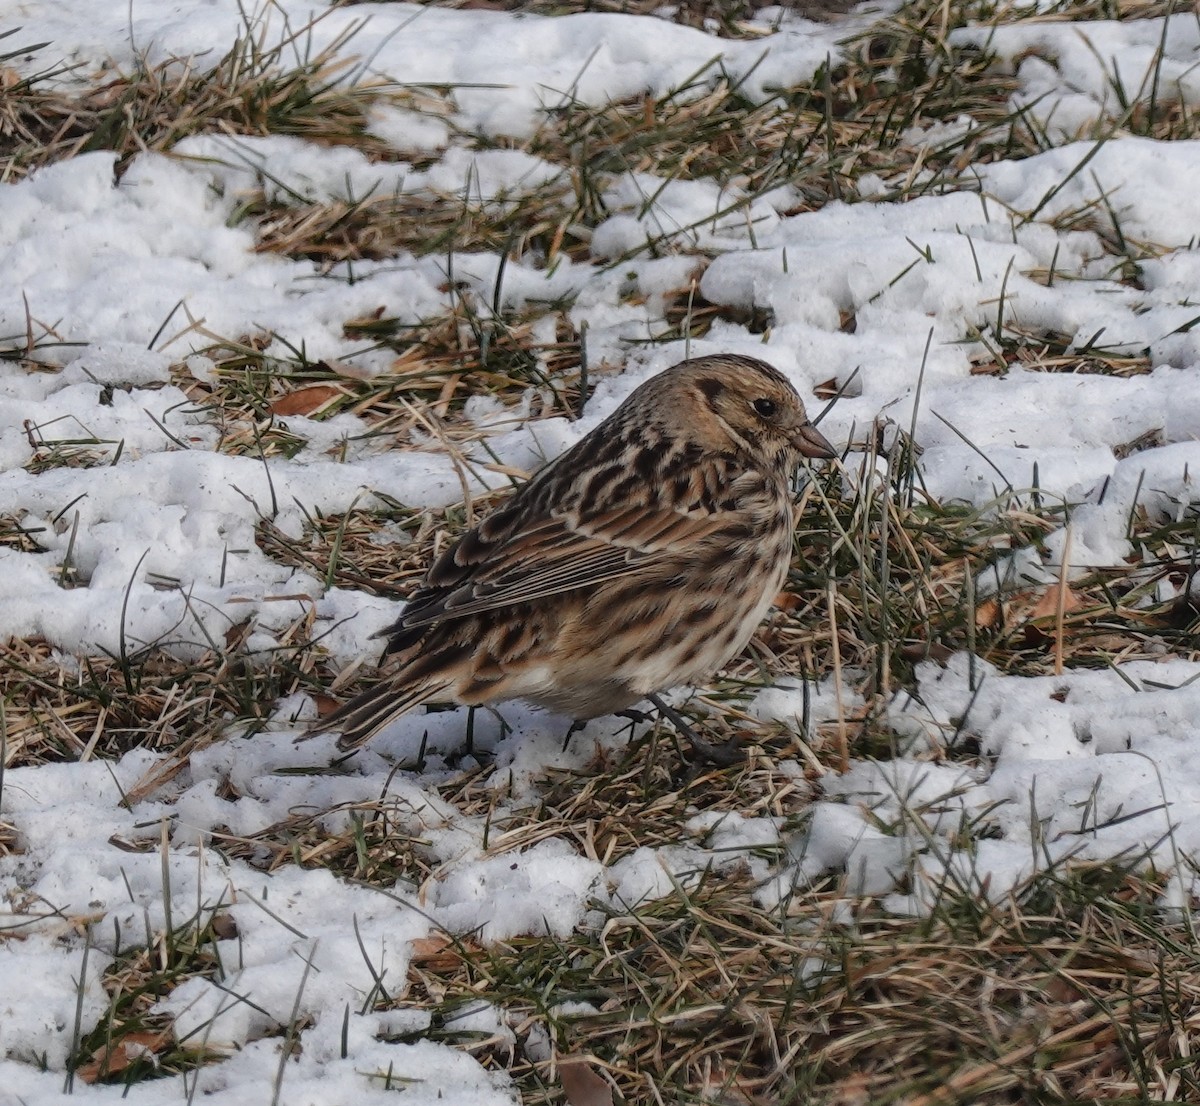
x=552 y=555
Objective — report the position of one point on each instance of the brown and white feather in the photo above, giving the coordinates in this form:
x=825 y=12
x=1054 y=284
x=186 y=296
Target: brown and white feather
x=642 y=558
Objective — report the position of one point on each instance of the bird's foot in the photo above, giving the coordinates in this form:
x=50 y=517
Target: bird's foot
x=724 y=755
x=632 y=714
x=572 y=730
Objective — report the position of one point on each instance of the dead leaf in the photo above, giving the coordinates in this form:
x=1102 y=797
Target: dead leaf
x=112 y=1060
x=438 y=952
x=987 y=614
x=787 y=600
x=304 y=401
x=915 y=651
x=224 y=926
x=1024 y=607
x=360 y=322
x=1063 y=992
x=581 y=1084
x=235 y=635
x=326 y=704
x=1047 y=604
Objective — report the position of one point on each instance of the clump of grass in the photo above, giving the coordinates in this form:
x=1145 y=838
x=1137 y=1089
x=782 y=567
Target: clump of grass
x=253 y=89
x=68 y=443
x=375 y=849
x=146 y=696
x=437 y=365
x=534 y=222
x=17 y=534
x=130 y=1043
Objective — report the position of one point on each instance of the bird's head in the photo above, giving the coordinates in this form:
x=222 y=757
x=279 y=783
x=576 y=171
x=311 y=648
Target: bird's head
x=732 y=402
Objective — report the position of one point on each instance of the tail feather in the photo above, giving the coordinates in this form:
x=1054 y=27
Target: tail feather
x=365 y=715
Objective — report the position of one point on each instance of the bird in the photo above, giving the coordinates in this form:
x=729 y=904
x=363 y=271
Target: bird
x=641 y=559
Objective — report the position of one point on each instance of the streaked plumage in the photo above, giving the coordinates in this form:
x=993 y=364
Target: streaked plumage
x=642 y=558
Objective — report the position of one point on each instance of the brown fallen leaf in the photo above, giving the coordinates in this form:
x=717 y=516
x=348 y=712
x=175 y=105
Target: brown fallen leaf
x=326 y=704
x=304 y=401
x=112 y=1060
x=581 y=1084
x=1025 y=606
x=987 y=614
x=438 y=952
x=235 y=635
x=787 y=600
x=362 y=321
x=1047 y=604
x=915 y=651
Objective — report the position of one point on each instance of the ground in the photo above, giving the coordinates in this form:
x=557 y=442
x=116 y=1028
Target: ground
x=292 y=295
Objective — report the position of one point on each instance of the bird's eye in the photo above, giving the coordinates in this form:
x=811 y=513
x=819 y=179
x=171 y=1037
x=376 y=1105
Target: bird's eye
x=765 y=407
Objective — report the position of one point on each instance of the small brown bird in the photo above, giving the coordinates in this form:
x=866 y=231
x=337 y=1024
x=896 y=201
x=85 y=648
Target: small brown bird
x=641 y=559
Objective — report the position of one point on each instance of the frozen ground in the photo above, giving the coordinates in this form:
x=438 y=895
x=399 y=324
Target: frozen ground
x=1096 y=763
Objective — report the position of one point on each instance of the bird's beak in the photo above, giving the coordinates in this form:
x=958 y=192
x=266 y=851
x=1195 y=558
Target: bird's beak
x=812 y=443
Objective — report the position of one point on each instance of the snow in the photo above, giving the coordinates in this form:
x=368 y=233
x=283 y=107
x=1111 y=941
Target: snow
x=119 y=280
x=510 y=67
x=1077 y=80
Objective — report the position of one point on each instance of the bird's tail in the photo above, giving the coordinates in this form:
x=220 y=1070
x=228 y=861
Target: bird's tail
x=365 y=715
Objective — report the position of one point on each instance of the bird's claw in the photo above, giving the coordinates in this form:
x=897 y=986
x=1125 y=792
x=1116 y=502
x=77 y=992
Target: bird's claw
x=724 y=754
x=632 y=714
x=704 y=752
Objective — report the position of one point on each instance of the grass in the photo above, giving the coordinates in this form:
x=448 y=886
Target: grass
x=700 y=998
x=1077 y=986
x=254 y=89
x=132 y=1043
x=1074 y=988
x=1085 y=992
x=437 y=367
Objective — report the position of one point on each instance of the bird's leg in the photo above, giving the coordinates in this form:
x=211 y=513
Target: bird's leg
x=727 y=753
x=572 y=730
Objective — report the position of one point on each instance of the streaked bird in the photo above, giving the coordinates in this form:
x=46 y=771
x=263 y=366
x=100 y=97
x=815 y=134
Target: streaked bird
x=641 y=559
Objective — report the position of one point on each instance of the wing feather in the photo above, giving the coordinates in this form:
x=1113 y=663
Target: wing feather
x=558 y=554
